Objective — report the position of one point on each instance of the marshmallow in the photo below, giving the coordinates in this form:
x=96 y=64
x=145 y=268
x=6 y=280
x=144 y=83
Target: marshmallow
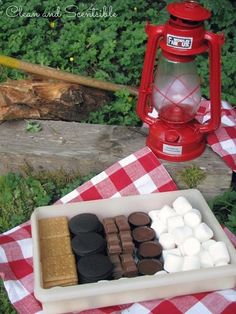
x=158 y=227
x=175 y=251
x=182 y=233
x=193 y=218
x=160 y=272
x=154 y=214
x=181 y=249
x=221 y=264
x=219 y=253
x=167 y=241
x=166 y=212
x=191 y=262
x=207 y=244
x=174 y=222
x=103 y=280
x=205 y=259
x=182 y=205
x=173 y=263
x=191 y=246
x=203 y=232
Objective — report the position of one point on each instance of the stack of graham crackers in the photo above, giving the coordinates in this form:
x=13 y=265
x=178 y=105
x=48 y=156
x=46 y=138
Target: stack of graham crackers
x=57 y=259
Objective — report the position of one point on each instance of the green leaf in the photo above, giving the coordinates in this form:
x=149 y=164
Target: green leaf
x=33 y=126
x=224 y=207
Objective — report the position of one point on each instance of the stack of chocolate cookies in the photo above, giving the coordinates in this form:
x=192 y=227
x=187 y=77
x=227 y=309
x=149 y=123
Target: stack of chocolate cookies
x=89 y=247
x=148 y=248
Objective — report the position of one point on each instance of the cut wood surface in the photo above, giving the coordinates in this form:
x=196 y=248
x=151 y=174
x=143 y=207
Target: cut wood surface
x=25 y=99
x=91 y=149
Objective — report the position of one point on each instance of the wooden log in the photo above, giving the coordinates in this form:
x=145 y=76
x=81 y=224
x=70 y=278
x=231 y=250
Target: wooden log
x=27 y=99
x=92 y=148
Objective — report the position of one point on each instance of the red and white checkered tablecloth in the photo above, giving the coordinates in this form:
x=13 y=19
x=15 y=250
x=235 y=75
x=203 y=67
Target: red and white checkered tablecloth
x=139 y=173
x=223 y=140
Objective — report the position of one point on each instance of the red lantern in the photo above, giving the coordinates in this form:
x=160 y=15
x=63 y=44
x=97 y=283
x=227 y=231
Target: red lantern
x=175 y=135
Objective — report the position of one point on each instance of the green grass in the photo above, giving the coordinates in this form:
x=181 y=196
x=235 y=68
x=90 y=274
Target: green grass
x=21 y=193
x=192 y=176
x=5 y=306
x=224 y=208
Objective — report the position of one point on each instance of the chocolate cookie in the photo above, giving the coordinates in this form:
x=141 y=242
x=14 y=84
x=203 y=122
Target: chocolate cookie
x=138 y=219
x=88 y=243
x=149 y=249
x=143 y=234
x=149 y=266
x=92 y=268
x=85 y=222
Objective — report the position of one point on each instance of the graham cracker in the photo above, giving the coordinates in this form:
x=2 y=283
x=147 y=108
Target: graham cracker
x=55 y=246
x=62 y=283
x=53 y=227
x=59 y=268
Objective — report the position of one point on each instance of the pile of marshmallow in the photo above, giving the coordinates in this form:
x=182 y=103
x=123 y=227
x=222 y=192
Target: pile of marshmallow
x=186 y=241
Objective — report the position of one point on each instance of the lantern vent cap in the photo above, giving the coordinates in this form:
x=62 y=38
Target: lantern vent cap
x=189 y=10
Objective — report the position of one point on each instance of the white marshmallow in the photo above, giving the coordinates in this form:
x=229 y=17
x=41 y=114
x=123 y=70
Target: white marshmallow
x=182 y=205
x=219 y=253
x=154 y=214
x=221 y=264
x=160 y=272
x=167 y=241
x=103 y=280
x=191 y=262
x=158 y=227
x=207 y=244
x=166 y=212
x=193 y=218
x=175 y=251
x=205 y=259
x=173 y=263
x=181 y=248
x=191 y=246
x=202 y=232
x=182 y=233
x=174 y=222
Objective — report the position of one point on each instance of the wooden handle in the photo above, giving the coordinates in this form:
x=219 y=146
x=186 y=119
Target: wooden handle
x=63 y=76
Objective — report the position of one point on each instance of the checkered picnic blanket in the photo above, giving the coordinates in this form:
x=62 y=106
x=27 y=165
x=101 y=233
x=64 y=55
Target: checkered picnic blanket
x=223 y=140
x=139 y=173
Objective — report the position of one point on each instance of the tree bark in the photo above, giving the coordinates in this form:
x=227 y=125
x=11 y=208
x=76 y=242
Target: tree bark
x=32 y=99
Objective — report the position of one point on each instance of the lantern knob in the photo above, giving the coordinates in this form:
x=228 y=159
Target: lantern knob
x=189 y=10
x=171 y=136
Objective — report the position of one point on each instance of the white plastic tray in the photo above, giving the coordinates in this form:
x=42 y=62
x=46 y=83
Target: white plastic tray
x=95 y=295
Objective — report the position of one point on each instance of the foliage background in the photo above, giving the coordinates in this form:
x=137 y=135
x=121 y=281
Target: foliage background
x=110 y=48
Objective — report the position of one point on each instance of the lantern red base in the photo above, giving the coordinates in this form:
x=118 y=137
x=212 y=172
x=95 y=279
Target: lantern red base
x=176 y=142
